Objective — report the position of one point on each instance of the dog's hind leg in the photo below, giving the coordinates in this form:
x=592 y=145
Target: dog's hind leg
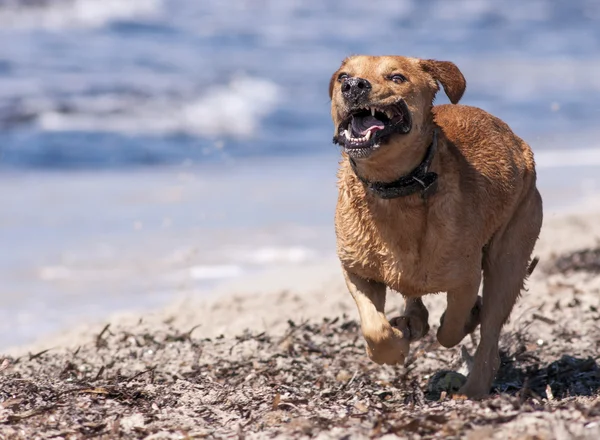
x=505 y=267
x=413 y=322
x=385 y=344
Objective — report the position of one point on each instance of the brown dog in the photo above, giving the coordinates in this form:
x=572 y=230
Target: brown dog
x=429 y=198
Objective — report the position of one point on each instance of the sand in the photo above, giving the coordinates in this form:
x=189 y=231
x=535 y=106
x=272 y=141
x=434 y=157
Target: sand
x=280 y=355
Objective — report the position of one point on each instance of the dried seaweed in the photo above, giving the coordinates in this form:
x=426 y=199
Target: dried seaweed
x=584 y=260
x=314 y=379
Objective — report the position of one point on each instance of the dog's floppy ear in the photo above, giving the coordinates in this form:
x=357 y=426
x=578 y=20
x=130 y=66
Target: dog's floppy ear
x=449 y=76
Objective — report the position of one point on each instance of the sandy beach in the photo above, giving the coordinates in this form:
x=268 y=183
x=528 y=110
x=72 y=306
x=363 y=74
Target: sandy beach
x=168 y=188
x=280 y=355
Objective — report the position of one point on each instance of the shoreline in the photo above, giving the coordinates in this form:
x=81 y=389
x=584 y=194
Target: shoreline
x=291 y=363
x=161 y=234
x=569 y=229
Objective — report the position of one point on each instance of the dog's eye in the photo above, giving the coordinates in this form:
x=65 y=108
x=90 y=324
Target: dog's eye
x=343 y=76
x=397 y=78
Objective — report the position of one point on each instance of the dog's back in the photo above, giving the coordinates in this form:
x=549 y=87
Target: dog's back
x=495 y=167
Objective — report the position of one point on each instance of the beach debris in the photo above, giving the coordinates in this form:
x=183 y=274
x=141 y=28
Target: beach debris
x=309 y=379
x=583 y=260
x=100 y=342
x=445 y=381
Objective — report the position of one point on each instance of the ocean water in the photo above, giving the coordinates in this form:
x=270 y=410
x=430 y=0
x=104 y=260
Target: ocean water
x=152 y=148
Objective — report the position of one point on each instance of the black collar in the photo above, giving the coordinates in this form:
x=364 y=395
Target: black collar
x=419 y=179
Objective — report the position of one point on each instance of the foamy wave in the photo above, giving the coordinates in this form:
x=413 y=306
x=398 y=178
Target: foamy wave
x=215 y=272
x=66 y=14
x=278 y=255
x=235 y=109
x=82 y=273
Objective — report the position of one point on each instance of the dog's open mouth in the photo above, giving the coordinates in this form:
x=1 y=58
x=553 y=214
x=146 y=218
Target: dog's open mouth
x=367 y=127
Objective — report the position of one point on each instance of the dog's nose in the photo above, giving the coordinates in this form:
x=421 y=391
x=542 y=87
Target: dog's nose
x=354 y=89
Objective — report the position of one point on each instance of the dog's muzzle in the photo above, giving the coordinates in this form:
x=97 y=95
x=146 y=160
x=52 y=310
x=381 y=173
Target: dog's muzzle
x=367 y=126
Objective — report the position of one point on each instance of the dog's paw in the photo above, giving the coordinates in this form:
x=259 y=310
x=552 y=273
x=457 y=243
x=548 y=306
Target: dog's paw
x=392 y=350
x=412 y=327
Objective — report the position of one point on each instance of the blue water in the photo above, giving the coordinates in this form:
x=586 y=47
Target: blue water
x=156 y=84
x=155 y=148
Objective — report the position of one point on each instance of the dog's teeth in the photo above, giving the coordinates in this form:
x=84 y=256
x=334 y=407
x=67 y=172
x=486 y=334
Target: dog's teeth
x=368 y=135
x=373 y=111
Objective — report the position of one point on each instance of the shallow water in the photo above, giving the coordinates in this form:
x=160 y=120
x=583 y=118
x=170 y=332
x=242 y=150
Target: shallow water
x=152 y=148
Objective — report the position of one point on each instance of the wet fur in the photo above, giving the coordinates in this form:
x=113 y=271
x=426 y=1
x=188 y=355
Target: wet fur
x=484 y=218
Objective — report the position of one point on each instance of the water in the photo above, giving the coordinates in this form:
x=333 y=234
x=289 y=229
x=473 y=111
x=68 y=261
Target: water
x=149 y=147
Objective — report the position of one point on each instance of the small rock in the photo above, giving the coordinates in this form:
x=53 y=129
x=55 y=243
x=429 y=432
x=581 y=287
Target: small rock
x=445 y=380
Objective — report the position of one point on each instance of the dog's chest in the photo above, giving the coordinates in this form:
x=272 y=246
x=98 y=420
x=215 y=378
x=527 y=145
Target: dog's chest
x=406 y=249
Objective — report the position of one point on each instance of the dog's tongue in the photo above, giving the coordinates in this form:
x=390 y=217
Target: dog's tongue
x=364 y=124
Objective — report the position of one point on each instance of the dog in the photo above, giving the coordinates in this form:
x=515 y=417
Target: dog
x=431 y=199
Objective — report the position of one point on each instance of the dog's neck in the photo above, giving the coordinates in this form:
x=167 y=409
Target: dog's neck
x=395 y=161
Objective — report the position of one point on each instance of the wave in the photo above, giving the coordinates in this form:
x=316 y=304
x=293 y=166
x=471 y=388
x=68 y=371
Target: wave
x=68 y=14
x=215 y=272
x=138 y=85
x=235 y=109
x=278 y=255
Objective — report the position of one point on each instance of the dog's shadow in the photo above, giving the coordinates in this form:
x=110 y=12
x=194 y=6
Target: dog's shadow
x=523 y=375
x=568 y=376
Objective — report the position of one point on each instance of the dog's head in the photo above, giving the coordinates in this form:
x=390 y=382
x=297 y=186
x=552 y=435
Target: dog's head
x=387 y=100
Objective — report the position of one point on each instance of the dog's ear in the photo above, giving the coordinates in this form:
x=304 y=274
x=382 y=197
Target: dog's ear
x=449 y=76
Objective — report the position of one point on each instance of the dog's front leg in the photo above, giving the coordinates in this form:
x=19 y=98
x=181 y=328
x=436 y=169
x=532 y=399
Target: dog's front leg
x=385 y=344
x=413 y=322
